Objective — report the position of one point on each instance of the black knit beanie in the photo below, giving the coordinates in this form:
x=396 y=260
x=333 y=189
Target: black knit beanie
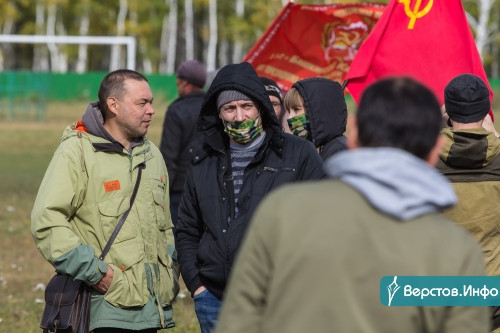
x=467 y=99
x=272 y=87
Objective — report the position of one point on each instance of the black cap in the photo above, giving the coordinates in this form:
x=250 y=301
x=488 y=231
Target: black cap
x=193 y=72
x=467 y=99
x=272 y=87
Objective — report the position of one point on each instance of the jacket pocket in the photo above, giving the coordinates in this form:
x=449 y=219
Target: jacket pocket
x=160 y=207
x=129 y=285
x=162 y=210
x=110 y=212
x=168 y=276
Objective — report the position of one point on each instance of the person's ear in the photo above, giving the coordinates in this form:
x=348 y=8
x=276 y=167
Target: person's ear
x=352 y=132
x=435 y=152
x=112 y=103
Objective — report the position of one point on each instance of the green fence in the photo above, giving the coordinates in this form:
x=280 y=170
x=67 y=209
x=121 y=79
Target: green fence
x=24 y=95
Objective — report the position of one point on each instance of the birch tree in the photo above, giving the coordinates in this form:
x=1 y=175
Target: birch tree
x=164 y=44
x=40 y=54
x=189 y=26
x=81 y=64
x=62 y=65
x=172 y=36
x=212 y=40
x=51 y=31
x=8 y=13
x=238 y=45
x=480 y=25
x=116 y=58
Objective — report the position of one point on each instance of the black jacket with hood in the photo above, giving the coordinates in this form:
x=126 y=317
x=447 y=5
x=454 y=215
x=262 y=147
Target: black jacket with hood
x=179 y=129
x=206 y=241
x=327 y=113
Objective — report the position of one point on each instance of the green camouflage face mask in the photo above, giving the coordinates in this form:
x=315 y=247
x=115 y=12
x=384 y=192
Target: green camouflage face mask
x=299 y=125
x=245 y=131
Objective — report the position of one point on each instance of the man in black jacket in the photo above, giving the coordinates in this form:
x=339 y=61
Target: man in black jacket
x=179 y=127
x=240 y=154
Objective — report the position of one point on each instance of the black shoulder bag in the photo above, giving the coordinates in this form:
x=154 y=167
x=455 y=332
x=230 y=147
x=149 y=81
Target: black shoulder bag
x=67 y=301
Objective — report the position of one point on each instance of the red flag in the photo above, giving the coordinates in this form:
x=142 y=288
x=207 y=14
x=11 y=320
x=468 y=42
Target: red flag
x=429 y=40
x=312 y=40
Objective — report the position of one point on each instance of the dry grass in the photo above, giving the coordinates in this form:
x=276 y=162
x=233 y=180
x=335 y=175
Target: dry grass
x=26 y=148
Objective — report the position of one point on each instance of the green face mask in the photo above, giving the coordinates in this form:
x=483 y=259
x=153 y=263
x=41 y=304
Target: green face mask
x=243 y=132
x=299 y=125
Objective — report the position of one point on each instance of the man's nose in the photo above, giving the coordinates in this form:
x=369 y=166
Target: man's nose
x=151 y=110
x=240 y=114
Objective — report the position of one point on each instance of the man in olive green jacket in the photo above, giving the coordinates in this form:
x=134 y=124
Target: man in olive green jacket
x=315 y=252
x=85 y=190
x=471 y=161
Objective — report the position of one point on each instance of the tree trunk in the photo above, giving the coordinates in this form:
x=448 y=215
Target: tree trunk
x=189 y=14
x=238 y=45
x=51 y=31
x=116 y=61
x=164 y=44
x=81 y=64
x=482 y=25
x=212 y=41
x=63 y=54
x=223 y=53
x=172 y=37
x=40 y=54
x=7 y=49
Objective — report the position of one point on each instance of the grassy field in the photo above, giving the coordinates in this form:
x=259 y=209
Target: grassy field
x=26 y=148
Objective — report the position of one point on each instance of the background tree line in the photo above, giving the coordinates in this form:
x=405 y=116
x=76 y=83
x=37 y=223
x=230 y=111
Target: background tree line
x=171 y=31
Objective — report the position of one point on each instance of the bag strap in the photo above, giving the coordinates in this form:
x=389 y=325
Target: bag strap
x=124 y=216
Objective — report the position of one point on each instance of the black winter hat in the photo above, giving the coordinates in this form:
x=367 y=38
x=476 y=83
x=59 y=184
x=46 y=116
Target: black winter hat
x=272 y=87
x=193 y=72
x=467 y=99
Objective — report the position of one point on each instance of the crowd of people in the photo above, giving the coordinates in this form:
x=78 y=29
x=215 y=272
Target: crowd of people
x=279 y=211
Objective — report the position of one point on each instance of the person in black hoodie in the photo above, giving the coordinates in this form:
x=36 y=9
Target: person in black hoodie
x=317 y=112
x=179 y=127
x=240 y=154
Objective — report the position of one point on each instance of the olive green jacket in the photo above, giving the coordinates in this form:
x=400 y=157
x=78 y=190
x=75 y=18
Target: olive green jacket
x=313 y=258
x=85 y=190
x=471 y=161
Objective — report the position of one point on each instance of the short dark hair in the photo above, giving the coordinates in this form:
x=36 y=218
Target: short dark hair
x=112 y=84
x=400 y=113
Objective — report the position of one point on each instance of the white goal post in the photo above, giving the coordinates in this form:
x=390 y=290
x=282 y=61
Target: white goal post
x=129 y=41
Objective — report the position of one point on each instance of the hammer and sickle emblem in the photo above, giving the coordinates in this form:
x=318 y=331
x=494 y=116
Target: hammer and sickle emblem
x=415 y=13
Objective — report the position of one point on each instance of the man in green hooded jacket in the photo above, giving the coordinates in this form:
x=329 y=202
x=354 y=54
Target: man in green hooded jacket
x=85 y=190
x=471 y=161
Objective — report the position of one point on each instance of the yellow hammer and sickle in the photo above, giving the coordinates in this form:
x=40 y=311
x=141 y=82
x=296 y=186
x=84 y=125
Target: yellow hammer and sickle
x=415 y=13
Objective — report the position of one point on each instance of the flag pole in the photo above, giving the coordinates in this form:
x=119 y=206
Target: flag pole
x=344 y=84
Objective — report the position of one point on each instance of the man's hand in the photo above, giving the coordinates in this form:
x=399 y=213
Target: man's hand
x=103 y=285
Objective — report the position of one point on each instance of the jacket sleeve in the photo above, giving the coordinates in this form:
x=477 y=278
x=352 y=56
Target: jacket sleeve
x=60 y=194
x=311 y=164
x=170 y=142
x=188 y=233
x=246 y=295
